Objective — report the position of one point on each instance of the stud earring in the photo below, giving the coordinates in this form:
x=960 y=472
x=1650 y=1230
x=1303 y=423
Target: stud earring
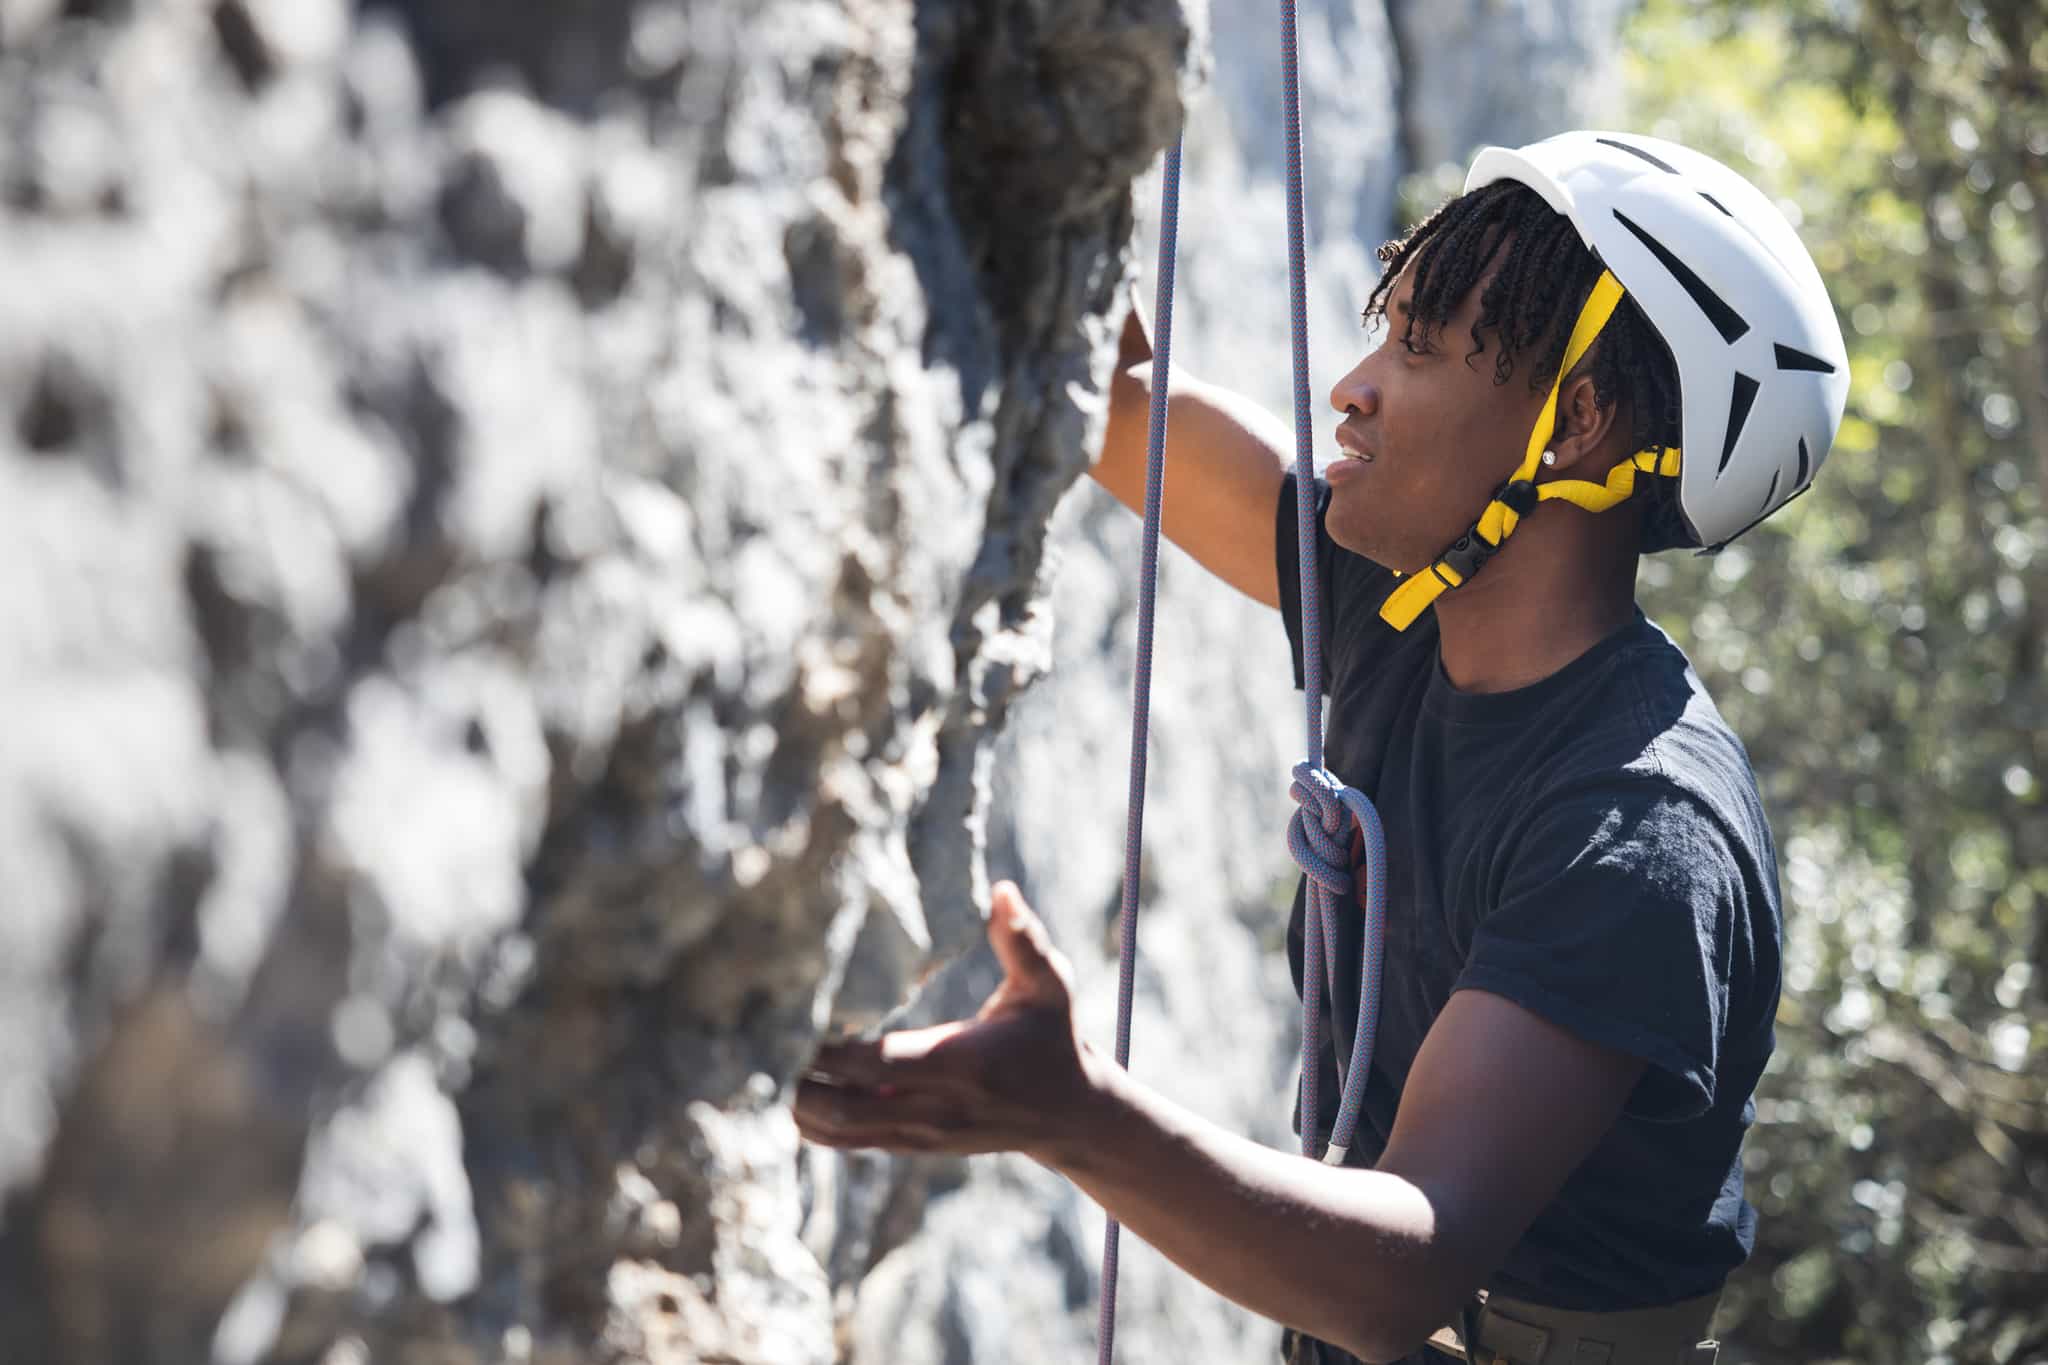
x=1550 y=457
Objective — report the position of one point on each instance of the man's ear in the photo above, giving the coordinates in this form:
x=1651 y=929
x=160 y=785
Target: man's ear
x=1584 y=426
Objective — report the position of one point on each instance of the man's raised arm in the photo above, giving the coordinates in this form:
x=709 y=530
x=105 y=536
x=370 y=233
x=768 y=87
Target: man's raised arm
x=1225 y=458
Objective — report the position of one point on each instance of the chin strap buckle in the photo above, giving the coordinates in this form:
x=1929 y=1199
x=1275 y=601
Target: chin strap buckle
x=1468 y=554
x=1465 y=556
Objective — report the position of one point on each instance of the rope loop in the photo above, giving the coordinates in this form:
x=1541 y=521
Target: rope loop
x=1321 y=843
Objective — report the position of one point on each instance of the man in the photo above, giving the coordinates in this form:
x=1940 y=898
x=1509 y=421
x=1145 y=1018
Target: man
x=1582 y=930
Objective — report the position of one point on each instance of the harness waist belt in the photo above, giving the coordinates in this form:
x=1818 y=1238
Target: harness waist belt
x=1501 y=1331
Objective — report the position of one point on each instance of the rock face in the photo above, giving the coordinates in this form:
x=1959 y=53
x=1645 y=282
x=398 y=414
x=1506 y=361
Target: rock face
x=525 y=533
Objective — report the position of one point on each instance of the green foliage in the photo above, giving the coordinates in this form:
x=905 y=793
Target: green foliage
x=1881 y=645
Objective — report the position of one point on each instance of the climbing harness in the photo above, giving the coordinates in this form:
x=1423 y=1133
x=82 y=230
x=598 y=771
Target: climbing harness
x=1320 y=833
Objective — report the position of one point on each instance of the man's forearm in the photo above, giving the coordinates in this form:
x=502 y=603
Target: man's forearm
x=1226 y=459
x=1373 y=1261
x=1352 y=1257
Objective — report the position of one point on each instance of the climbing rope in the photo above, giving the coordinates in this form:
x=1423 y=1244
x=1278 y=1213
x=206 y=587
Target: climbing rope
x=1322 y=844
x=1141 y=701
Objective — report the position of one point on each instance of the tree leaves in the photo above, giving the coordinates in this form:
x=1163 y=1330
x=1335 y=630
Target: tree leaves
x=1881 y=650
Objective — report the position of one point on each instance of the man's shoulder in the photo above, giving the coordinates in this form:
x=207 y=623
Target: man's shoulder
x=1647 y=710
x=1651 y=732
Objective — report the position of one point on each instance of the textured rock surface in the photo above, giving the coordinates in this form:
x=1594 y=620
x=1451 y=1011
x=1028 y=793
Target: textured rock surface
x=520 y=530
x=524 y=528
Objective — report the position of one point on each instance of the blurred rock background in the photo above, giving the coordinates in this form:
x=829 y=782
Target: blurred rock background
x=545 y=562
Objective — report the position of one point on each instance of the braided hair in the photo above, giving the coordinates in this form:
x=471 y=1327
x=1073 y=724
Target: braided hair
x=1545 y=275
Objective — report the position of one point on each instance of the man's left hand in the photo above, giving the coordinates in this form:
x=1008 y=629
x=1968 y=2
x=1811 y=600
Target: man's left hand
x=1016 y=1077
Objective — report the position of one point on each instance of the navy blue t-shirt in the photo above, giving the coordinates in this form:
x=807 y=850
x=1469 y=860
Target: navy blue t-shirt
x=1591 y=847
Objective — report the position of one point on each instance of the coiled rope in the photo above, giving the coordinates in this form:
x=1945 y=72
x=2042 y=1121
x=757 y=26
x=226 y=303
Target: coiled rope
x=1319 y=836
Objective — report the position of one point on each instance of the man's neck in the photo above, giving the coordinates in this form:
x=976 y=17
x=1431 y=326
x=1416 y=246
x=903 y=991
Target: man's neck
x=1551 y=594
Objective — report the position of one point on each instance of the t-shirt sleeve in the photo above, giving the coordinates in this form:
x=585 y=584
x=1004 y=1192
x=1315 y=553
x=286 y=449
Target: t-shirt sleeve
x=1351 y=587
x=1625 y=918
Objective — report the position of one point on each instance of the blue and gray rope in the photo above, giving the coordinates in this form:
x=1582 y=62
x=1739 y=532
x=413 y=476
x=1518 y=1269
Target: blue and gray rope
x=1141 y=699
x=1322 y=846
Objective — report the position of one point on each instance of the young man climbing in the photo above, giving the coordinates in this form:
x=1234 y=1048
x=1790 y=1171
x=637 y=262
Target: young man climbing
x=1582 y=941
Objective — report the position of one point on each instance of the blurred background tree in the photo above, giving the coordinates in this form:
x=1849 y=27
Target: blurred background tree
x=1880 y=646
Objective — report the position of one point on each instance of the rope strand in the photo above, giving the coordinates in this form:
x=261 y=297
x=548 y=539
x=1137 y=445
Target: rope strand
x=1141 y=700
x=1322 y=853
x=1322 y=845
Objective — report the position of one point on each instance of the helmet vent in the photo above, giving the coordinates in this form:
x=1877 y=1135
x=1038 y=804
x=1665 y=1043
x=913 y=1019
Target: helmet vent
x=1803 y=458
x=1770 y=492
x=1726 y=320
x=1716 y=203
x=1790 y=359
x=1738 y=413
x=1658 y=162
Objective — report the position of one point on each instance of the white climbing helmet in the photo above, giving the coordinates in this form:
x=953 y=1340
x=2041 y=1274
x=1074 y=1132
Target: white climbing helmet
x=1724 y=279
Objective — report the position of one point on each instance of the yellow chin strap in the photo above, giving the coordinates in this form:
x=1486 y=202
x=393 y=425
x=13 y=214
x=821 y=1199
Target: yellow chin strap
x=1519 y=495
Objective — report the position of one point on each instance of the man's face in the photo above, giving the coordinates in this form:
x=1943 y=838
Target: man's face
x=1440 y=433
